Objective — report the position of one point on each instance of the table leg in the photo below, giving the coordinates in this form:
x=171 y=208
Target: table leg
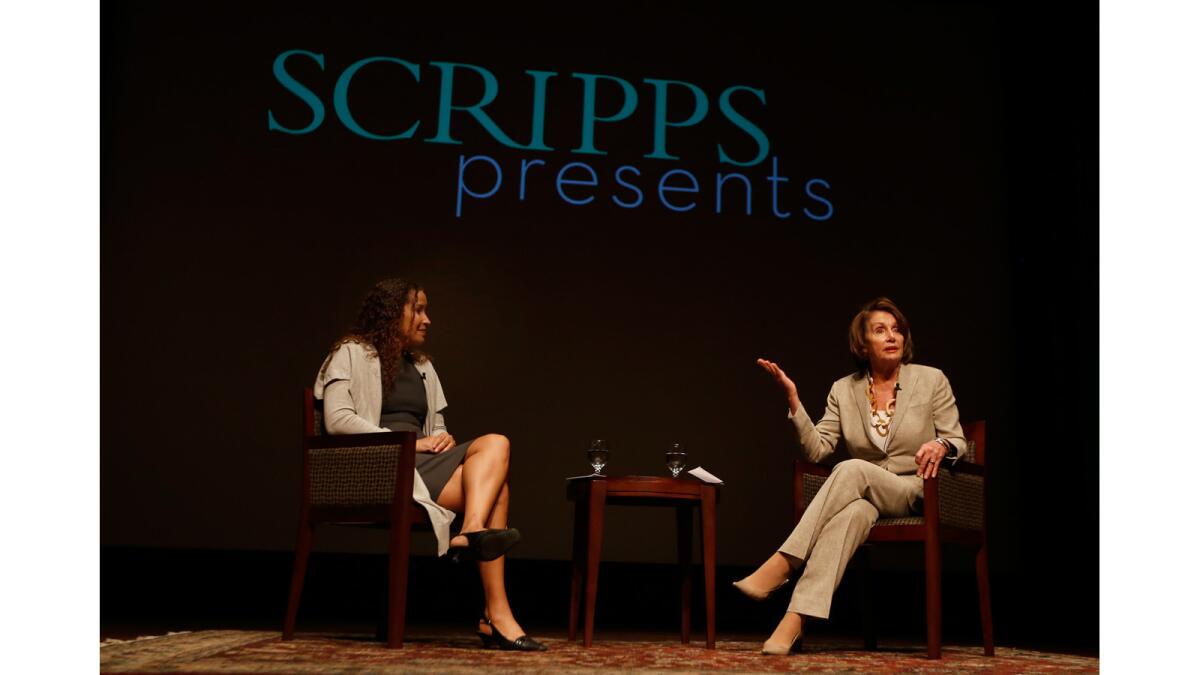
x=683 y=530
x=596 y=497
x=708 y=521
x=578 y=560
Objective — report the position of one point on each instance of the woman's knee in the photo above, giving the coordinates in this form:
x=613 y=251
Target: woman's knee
x=851 y=467
x=498 y=444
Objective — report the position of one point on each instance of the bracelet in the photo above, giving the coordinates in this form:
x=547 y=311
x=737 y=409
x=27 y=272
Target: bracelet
x=951 y=451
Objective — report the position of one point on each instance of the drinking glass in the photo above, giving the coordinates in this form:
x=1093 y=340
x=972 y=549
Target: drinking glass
x=597 y=455
x=676 y=459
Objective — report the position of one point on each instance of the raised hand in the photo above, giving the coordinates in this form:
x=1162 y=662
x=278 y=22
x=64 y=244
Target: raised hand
x=784 y=382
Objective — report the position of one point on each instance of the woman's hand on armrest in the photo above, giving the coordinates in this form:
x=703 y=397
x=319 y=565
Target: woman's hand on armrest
x=929 y=455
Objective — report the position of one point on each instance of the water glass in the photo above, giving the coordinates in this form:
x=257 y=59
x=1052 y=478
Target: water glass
x=597 y=455
x=676 y=459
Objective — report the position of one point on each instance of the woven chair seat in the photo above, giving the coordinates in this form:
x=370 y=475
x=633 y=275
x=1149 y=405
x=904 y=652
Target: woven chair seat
x=911 y=520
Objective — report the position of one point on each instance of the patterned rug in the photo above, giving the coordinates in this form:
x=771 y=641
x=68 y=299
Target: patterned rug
x=232 y=651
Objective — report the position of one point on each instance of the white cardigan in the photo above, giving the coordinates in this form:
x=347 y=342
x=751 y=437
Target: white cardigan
x=350 y=383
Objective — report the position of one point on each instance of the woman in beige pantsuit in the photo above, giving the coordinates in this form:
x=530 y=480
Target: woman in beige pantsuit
x=898 y=422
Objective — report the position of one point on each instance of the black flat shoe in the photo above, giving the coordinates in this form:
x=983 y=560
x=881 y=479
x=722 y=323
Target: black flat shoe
x=486 y=637
x=521 y=644
x=484 y=545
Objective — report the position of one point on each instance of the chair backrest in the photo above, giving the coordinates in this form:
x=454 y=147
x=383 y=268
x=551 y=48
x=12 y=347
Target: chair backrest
x=314 y=414
x=976 y=435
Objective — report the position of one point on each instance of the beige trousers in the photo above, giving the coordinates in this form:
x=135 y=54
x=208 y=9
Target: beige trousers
x=837 y=522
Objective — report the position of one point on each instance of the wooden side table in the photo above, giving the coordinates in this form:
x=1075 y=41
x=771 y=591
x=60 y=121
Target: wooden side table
x=591 y=496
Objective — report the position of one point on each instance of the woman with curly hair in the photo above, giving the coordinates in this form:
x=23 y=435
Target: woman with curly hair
x=377 y=379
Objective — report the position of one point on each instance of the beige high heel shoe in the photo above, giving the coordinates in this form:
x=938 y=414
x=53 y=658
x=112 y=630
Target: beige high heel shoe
x=754 y=594
x=774 y=649
x=779 y=649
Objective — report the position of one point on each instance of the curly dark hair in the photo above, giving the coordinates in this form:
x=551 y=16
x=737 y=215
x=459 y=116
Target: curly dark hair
x=858 y=333
x=380 y=326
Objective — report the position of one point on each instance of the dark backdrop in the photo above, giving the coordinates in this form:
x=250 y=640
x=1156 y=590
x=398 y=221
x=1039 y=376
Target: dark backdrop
x=958 y=141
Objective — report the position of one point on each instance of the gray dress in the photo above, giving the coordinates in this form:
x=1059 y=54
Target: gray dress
x=404 y=409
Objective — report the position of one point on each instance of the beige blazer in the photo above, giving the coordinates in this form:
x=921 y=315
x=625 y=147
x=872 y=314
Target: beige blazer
x=350 y=383
x=925 y=410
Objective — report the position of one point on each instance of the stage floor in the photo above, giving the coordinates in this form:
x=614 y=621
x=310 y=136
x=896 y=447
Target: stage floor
x=429 y=650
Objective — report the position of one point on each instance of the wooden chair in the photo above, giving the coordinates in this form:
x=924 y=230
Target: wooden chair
x=359 y=480
x=954 y=513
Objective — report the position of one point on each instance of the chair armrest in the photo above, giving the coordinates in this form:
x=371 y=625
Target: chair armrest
x=930 y=498
x=360 y=440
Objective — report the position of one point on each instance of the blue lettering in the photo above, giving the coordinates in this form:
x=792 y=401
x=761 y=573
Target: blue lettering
x=564 y=181
x=663 y=188
x=808 y=190
x=302 y=92
x=462 y=167
x=660 y=114
x=588 y=126
x=446 y=105
x=525 y=164
x=631 y=186
x=537 y=140
x=745 y=125
x=775 y=179
x=721 y=178
x=342 y=106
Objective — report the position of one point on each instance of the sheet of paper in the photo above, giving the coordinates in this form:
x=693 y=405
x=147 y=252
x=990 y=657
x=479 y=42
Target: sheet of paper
x=705 y=476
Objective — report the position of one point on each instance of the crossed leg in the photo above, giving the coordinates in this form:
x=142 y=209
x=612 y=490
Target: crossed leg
x=836 y=522
x=478 y=489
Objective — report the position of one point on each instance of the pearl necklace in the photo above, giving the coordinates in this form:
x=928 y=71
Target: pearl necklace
x=881 y=422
